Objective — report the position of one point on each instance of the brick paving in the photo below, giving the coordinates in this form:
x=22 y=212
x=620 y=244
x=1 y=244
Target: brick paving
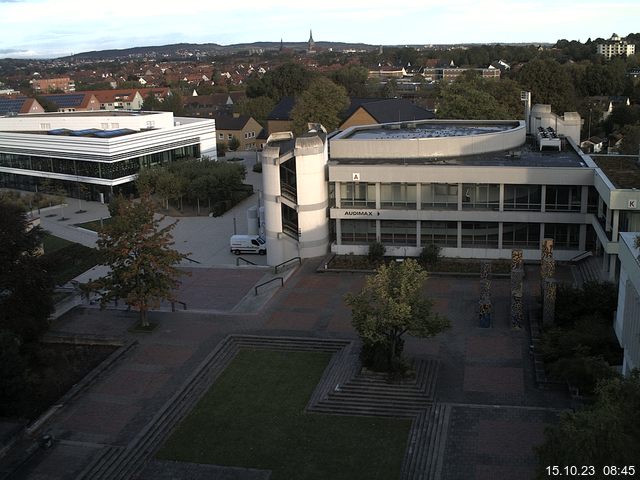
x=480 y=368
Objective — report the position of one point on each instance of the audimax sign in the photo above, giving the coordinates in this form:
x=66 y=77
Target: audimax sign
x=360 y=213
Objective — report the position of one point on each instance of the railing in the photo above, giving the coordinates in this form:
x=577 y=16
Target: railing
x=581 y=256
x=249 y=262
x=191 y=260
x=275 y=269
x=173 y=305
x=268 y=282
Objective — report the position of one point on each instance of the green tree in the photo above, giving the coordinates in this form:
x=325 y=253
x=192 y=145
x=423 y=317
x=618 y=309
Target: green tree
x=222 y=148
x=150 y=103
x=288 y=79
x=26 y=288
x=631 y=140
x=323 y=102
x=549 y=83
x=353 y=78
x=173 y=103
x=391 y=304
x=234 y=144
x=13 y=371
x=258 y=108
x=142 y=263
x=603 y=434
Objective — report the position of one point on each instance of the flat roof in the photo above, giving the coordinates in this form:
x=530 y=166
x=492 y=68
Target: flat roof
x=526 y=155
x=438 y=129
x=92 y=113
x=623 y=171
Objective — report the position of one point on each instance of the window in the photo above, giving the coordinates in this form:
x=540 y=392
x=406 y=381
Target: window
x=229 y=136
x=480 y=235
x=358 y=194
x=398 y=232
x=480 y=196
x=521 y=235
x=522 y=197
x=443 y=234
x=289 y=221
x=563 y=198
x=398 y=195
x=565 y=236
x=358 y=231
x=439 y=196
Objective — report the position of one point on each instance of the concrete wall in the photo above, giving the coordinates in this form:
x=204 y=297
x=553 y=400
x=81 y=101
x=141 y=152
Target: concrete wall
x=568 y=125
x=627 y=321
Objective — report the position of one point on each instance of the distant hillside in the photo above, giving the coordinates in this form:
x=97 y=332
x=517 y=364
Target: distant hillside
x=188 y=49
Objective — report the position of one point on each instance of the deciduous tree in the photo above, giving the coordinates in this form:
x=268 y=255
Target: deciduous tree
x=391 y=304
x=141 y=260
x=26 y=288
x=322 y=102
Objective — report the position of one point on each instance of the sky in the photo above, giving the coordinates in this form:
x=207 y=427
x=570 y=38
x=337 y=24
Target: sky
x=53 y=28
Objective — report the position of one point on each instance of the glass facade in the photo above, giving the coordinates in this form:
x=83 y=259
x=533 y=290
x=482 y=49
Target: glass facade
x=522 y=197
x=521 y=235
x=358 y=194
x=358 y=231
x=398 y=232
x=563 y=198
x=443 y=234
x=480 y=234
x=104 y=170
x=290 y=221
x=398 y=195
x=565 y=236
x=439 y=196
x=480 y=196
x=288 y=182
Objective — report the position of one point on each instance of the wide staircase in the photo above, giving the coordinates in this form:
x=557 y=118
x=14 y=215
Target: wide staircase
x=343 y=389
x=587 y=270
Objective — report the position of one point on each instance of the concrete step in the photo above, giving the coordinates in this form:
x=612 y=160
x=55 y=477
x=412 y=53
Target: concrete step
x=366 y=411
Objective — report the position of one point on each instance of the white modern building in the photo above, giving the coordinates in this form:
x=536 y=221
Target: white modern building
x=627 y=322
x=477 y=189
x=103 y=151
x=614 y=47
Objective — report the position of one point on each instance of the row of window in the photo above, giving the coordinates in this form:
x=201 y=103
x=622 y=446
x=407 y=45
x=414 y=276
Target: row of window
x=83 y=168
x=445 y=234
x=444 y=196
x=230 y=135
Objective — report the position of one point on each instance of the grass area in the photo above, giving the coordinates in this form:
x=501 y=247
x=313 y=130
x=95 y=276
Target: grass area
x=66 y=260
x=95 y=225
x=53 y=370
x=253 y=417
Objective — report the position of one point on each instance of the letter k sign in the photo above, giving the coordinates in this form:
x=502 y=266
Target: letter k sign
x=632 y=204
x=356 y=177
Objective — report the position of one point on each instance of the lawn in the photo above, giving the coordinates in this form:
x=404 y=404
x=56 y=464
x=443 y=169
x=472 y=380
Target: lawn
x=253 y=417
x=66 y=260
x=95 y=225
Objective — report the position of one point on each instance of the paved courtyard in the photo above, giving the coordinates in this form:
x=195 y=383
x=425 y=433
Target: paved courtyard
x=485 y=376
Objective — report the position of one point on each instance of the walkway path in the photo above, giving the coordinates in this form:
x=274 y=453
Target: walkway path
x=492 y=413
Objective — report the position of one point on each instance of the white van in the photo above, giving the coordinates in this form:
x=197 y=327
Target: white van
x=248 y=244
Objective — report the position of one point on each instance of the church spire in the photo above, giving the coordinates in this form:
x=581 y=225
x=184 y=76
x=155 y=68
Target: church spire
x=311 y=48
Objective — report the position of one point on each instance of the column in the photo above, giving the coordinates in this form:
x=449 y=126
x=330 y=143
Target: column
x=418 y=228
x=615 y=226
x=459 y=234
x=543 y=200
x=378 y=231
x=378 y=200
x=500 y=229
x=459 y=199
x=501 y=205
x=607 y=221
x=337 y=194
x=612 y=267
x=584 y=199
x=418 y=196
x=338 y=231
x=582 y=238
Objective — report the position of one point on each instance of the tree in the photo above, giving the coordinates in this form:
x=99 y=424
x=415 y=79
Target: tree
x=322 y=102
x=150 y=103
x=142 y=263
x=258 y=108
x=631 y=140
x=391 y=304
x=26 y=287
x=234 y=144
x=353 y=78
x=222 y=148
x=603 y=434
x=288 y=79
x=549 y=83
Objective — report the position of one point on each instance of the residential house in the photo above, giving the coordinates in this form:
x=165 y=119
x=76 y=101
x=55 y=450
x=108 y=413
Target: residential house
x=242 y=127
x=370 y=111
x=15 y=105
x=279 y=119
x=73 y=102
x=123 y=99
x=45 y=85
x=615 y=46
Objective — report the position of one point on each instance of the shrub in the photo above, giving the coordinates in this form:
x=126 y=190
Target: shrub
x=257 y=167
x=376 y=252
x=582 y=372
x=430 y=255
